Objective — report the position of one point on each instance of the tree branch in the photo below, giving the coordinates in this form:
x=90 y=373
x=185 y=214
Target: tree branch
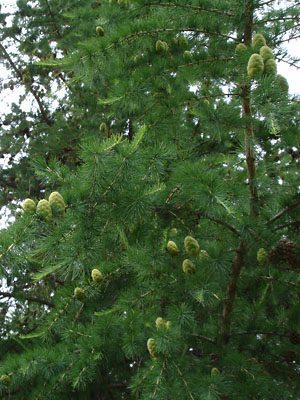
x=29 y=298
x=52 y=15
x=30 y=88
x=208 y=339
x=283 y=212
x=261 y=333
x=188 y=7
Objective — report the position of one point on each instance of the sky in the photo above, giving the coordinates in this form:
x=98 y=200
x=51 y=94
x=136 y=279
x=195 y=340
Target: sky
x=7 y=96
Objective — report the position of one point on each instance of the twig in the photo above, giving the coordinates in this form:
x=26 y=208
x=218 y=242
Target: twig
x=296 y=223
x=270 y=278
x=208 y=339
x=220 y=222
x=261 y=333
x=283 y=212
x=184 y=381
x=158 y=379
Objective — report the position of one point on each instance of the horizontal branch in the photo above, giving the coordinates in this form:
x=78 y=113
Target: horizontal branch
x=270 y=278
x=275 y=333
x=220 y=222
x=263 y=21
x=283 y=212
x=208 y=339
x=30 y=88
x=133 y=36
x=189 y=7
x=296 y=223
x=28 y=298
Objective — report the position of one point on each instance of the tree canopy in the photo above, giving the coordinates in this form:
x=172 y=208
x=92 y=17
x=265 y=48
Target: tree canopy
x=157 y=253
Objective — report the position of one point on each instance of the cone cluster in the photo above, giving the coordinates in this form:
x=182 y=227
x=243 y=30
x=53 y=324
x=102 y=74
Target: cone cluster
x=162 y=47
x=192 y=248
x=261 y=62
x=161 y=323
x=44 y=209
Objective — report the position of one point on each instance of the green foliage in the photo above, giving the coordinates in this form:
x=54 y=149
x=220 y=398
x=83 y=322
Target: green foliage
x=165 y=264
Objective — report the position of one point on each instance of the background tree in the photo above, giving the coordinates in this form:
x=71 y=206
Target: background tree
x=172 y=272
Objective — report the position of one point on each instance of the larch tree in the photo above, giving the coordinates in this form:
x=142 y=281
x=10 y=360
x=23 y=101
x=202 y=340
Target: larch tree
x=157 y=254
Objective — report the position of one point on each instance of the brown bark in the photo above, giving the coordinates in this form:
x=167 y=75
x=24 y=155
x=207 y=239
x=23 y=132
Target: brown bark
x=231 y=291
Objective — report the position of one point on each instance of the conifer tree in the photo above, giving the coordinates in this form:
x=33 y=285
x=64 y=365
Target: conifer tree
x=161 y=262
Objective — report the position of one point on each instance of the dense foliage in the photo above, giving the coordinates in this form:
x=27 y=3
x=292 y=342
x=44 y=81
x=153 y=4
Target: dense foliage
x=157 y=254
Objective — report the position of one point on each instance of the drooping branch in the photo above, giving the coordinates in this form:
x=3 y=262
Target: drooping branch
x=52 y=15
x=189 y=7
x=237 y=265
x=283 y=212
x=29 y=86
x=220 y=222
x=28 y=298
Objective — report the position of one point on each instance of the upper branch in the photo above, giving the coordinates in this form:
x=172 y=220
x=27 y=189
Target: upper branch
x=30 y=88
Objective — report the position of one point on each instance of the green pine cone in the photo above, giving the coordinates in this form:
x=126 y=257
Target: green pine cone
x=214 y=372
x=160 y=322
x=174 y=42
x=29 y=206
x=182 y=41
x=161 y=46
x=270 y=67
x=26 y=78
x=203 y=255
x=262 y=256
x=191 y=245
x=151 y=347
x=168 y=324
x=79 y=294
x=240 y=51
x=255 y=66
x=266 y=53
x=57 y=203
x=258 y=41
x=5 y=380
x=188 y=267
x=99 y=31
x=43 y=210
x=282 y=83
x=172 y=248
x=136 y=60
x=173 y=232
x=97 y=276
x=102 y=127
x=187 y=55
